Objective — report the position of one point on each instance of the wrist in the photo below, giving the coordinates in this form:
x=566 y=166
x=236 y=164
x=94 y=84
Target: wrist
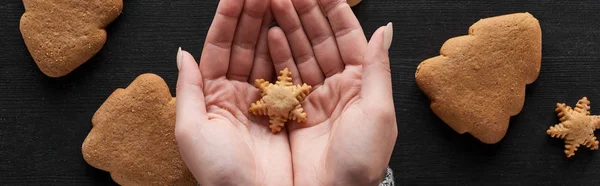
x=364 y=177
x=229 y=178
x=224 y=182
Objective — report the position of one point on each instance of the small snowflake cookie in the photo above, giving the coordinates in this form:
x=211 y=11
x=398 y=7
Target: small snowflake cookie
x=280 y=101
x=576 y=126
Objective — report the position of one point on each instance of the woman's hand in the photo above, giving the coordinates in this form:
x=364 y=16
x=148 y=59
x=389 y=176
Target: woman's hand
x=220 y=142
x=351 y=129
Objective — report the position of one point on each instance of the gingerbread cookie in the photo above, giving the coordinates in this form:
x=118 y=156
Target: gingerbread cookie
x=478 y=82
x=353 y=3
x=280 y=101
x=133 y=136
x=63 y=34
x=576 y=126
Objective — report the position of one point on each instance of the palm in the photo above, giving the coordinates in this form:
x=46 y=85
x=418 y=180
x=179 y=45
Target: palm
x=240 y=137
x=325 y=142
x=311 y=140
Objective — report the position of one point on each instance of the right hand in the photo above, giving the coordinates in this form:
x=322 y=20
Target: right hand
x=218 y=139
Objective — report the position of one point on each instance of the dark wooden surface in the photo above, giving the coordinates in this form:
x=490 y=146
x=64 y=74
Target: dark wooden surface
x=43 y=121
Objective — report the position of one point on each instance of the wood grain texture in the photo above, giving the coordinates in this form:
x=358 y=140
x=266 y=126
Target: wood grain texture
x=43 y=121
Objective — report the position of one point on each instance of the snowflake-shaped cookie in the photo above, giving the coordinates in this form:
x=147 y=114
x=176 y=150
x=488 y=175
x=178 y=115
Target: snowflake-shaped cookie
x=576 y=127
x=280 y=101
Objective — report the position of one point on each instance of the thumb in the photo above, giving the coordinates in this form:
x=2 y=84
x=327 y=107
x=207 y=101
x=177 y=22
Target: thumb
x=190 y=106
x=377 y=79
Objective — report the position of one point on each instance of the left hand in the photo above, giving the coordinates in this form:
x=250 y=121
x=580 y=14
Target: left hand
x=351 y=129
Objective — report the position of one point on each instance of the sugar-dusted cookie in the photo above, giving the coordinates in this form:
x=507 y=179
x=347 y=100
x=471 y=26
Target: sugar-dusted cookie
x=63 y=34
x=576 y=126
x=280 y=101
x=133 y=136
x=478 y=82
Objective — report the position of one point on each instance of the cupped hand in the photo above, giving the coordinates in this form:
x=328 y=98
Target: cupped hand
x=220 y=142
x=351 y=129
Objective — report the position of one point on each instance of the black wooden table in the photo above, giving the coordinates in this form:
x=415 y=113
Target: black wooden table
x=43 y=121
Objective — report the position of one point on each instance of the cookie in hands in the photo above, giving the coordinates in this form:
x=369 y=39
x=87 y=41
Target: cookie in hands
x=280 y=101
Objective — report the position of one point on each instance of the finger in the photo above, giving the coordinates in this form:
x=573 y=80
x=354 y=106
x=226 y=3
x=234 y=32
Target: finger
x=190 y=106
x=347 y=30
x=320 y=35
x=288 y=20
x=263 y=65
x=377 y=79
x=245 y=39
x=282 y=54
x=214 y=61
x=376 y=94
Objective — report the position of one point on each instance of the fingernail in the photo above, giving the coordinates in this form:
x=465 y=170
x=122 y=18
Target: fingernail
x=179 y=58
x=388 y=35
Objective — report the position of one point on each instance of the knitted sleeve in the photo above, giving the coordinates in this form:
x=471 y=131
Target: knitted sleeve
x=388 y=180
